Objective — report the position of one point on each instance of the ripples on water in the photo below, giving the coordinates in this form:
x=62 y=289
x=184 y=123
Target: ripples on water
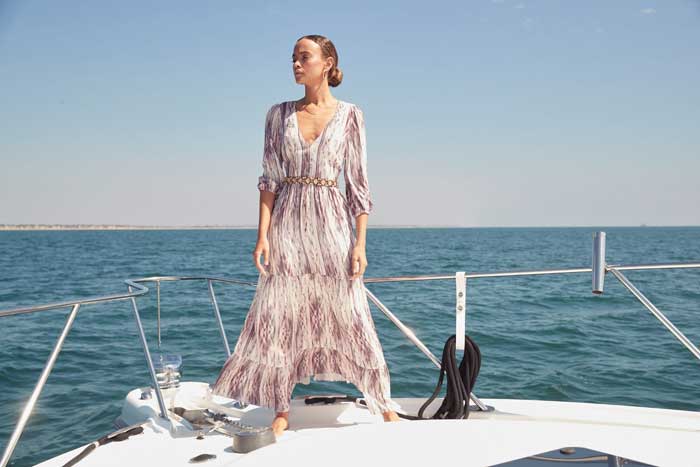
x=542 y=337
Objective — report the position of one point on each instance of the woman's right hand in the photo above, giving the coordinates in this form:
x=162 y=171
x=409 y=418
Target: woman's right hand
x=261 y=248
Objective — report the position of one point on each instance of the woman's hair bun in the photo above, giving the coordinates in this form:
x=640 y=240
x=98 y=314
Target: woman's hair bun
x=336 y=77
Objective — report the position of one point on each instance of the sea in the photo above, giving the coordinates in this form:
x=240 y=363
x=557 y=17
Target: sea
x=541 y=337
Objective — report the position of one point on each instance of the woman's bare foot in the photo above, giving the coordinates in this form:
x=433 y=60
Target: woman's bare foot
x=280 y=423
x=391 y=416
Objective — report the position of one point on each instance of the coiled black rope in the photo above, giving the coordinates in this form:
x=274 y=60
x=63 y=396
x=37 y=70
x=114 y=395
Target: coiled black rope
x=460 y=381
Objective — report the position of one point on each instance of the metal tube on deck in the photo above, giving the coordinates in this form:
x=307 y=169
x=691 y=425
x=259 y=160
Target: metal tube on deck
x=598 y=262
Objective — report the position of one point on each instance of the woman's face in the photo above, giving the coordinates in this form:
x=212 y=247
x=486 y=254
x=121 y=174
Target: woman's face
x=308 y=64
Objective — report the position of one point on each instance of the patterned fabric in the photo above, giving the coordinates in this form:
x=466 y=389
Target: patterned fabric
x=307 y=318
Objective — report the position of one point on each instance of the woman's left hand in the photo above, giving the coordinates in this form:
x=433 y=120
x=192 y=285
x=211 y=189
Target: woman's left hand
x=358 y=262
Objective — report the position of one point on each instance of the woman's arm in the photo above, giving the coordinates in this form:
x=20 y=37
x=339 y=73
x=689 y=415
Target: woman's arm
x=269 y=184
x=357 y=191
x=359 y=254
x=355 y=169
x=267 y=204
x=262 y=246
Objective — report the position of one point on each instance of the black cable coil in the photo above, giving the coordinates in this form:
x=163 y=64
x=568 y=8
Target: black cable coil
x=460 y=381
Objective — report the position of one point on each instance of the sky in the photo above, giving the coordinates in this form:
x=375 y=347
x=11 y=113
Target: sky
x=488 y=113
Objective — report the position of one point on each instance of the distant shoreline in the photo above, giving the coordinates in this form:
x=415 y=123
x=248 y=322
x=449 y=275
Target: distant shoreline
x=116 y=227
x=27 y=227
x=66 y=227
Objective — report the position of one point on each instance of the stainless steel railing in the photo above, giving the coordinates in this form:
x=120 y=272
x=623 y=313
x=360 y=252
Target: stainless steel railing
x=136 y=289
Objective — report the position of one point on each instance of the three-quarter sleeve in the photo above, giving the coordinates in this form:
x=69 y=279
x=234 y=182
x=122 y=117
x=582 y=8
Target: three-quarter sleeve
x=273 y=168
x=357 y=190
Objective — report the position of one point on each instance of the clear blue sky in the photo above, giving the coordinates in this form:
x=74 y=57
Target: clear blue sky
x=478 y=113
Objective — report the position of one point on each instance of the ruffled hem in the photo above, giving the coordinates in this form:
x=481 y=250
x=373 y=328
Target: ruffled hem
x=253 y=382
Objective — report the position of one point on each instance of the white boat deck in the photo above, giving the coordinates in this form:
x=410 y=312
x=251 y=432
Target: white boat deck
x=345 y=433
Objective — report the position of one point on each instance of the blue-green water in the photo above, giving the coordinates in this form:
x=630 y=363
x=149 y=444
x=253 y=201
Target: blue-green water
x=542 y=337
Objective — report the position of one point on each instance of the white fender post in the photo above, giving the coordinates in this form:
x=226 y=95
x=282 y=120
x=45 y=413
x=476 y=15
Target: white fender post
x=461 y=311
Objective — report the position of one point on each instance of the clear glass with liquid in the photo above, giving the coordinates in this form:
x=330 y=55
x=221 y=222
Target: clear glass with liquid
x=168 y=369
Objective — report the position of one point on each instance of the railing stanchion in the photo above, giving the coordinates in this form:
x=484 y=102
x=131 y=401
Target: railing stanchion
x=461 y=311
x=151 y=369
x=217 y=314
x=656 y=312
x=29 y=407
x=158 y=309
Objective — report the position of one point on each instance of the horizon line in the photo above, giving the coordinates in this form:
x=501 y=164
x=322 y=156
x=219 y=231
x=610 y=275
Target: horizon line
x=60 y=227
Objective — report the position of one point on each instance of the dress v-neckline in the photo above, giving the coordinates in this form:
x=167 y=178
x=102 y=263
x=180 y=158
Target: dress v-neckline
x=296 y=123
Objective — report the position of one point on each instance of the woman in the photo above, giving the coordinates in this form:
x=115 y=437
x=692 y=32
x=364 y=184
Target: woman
x=310 y=315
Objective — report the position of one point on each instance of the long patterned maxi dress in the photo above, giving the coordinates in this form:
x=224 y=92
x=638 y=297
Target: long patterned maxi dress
x=307 y=317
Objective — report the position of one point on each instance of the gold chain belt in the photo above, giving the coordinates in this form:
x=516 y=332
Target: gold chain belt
x=311 y=181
